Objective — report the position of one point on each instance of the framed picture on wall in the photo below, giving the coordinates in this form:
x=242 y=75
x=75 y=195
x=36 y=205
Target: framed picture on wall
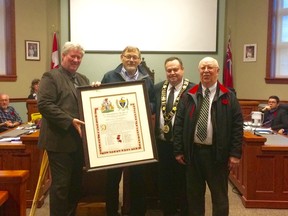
x=249 y=52
x=32 y=50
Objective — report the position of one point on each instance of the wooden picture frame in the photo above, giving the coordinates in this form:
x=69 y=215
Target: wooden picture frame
x=250 y=52
x=32 y=50
x=118 y=128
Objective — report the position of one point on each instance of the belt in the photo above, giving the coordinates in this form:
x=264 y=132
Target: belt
x=199 y=145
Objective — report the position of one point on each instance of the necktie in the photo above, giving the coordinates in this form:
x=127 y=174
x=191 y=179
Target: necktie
x=75 y=81
x=169 y=106
x=203 y=117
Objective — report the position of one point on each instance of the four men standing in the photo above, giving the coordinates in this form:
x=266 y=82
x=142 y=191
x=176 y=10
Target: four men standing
x=199 y=130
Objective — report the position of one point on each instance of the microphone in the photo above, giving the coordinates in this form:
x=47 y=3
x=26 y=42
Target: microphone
x=246 y=116
x=247 y=120
x=266 y=123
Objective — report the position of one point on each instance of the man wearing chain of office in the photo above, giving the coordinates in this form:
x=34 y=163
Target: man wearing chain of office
x=170 y=174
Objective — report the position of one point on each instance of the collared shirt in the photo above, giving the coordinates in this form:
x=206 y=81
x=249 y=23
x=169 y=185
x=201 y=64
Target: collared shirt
x=176 y=92
x=209 y=138
x=127 y=76
x=10 y=115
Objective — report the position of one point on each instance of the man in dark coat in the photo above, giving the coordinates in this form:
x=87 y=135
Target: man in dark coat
x=208 y=139
x=60 y=133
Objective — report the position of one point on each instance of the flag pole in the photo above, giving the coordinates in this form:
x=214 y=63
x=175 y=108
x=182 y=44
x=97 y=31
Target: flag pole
x=42 y=174
x=227 y=69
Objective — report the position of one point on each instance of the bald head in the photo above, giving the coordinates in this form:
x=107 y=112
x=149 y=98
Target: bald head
x=209 y=60
x=209 y=70
x=4 y=101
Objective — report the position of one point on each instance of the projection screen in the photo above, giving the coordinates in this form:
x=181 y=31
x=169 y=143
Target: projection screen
x=151 y=25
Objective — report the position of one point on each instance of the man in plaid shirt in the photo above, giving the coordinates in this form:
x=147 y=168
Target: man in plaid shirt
x=9 y=118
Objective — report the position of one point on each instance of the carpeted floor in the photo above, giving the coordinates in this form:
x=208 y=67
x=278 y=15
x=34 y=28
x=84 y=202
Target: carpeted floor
x=236 y=208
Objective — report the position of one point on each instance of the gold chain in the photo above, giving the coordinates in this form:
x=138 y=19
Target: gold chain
x=168 y=116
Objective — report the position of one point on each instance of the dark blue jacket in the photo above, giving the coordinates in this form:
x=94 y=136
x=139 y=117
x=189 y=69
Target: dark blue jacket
x=276 y=119
x=116 y=76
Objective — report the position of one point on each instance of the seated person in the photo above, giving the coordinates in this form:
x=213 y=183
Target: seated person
x=9 y=118
x=34 y=89
x=275 y=116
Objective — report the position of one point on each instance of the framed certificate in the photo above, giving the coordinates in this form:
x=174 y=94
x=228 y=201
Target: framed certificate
x=118 y=128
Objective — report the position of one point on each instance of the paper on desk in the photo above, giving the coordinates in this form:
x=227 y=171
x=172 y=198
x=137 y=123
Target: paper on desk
x=258 y=130
x=26 y=127
x=263 y=130
x=9 y=139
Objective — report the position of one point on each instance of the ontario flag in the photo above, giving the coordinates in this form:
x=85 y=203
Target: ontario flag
x=55 y=53
x=227 y=73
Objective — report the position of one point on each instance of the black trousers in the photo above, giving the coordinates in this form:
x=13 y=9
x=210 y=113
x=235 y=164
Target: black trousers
x=171 y=180
x=136 y=191
x=65 y=191
x=204 y=170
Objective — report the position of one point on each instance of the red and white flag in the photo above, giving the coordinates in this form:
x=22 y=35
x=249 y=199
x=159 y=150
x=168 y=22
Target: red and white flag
x=227 y=73
x=55 y=53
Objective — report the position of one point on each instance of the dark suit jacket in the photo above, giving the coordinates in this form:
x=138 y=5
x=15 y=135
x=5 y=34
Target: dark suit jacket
x=278 y=118
x=158 y=90
x=58 y=104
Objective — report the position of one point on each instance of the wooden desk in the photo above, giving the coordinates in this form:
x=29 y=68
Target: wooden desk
x=14 y=181
x=28 y=156
x=25 y=156
x=32 y=107
x=262 y=175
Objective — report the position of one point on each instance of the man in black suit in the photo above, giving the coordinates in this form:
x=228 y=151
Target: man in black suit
x=275 y=116
x=171 y=178
x=60 y=133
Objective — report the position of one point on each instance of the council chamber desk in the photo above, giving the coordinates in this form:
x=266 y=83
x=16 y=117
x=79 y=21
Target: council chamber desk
x=25 y=155
x=262 y=177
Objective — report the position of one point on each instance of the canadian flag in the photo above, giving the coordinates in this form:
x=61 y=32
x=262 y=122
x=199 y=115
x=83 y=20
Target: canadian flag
x=55 y=53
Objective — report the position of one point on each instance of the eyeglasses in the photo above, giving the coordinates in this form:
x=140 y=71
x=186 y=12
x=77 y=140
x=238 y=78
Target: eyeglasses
x=133 y=57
